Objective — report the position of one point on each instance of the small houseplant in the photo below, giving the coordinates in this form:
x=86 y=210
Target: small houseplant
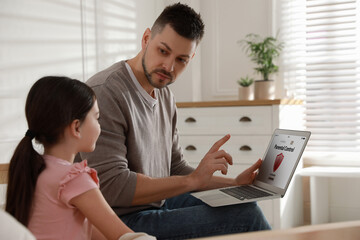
x=245 y=81
x=246 y=92
x=263 y=52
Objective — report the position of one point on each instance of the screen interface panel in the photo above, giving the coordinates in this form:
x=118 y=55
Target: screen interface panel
x=281 y=159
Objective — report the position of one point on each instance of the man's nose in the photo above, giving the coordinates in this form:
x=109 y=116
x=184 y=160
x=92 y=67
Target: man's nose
x=168 y=64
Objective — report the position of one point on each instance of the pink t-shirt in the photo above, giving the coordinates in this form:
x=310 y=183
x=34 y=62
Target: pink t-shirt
x=52 y=216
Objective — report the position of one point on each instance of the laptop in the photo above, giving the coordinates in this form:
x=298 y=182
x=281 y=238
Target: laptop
x=274 y=175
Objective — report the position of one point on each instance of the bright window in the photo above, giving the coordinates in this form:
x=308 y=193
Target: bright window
x=321 y=65
x=75 y=38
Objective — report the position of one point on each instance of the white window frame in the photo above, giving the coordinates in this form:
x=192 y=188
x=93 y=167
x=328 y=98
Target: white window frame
x=338 y=158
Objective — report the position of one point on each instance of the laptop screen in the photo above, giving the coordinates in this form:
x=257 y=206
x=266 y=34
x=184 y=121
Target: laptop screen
x=281 y=159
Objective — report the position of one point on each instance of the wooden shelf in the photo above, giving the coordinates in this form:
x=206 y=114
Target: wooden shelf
x=4 y=168
x=235 y=103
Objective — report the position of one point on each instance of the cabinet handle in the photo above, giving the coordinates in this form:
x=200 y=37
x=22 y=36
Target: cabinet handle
x=245 y=148
x=190 y=148
x=245 y=119
x=190 y=120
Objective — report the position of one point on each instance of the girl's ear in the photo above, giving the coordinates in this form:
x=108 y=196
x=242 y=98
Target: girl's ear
x=75 y=128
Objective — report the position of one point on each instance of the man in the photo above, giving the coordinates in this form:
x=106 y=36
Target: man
x=138 y=157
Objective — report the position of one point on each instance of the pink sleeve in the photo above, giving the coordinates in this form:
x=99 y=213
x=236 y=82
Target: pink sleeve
x=80 y=179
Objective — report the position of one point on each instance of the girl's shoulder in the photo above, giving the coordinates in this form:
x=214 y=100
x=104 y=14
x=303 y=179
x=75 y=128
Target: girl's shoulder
x=60 y=173
x=77 y=169
x=79 y=179
x=67 y=169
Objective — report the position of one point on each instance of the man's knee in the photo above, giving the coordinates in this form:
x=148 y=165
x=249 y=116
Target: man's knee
x=248 y=214
x=259 y=220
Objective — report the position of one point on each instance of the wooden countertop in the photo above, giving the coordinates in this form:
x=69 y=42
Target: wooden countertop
x=239 y=103
x=4 y=168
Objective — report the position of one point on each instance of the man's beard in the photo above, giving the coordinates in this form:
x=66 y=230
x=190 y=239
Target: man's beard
x=148 y=75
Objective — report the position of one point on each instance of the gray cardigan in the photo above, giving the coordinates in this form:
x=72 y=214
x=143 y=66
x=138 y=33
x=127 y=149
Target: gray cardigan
x=136 y=137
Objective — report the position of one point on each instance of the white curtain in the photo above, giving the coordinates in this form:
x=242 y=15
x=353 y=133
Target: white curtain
x=321 y=65
x=75 y=38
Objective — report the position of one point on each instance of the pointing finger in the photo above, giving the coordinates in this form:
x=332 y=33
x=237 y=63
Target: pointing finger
x=255 y=166
x=219 y=143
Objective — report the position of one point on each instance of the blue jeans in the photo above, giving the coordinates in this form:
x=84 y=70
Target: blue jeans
x=185 y=216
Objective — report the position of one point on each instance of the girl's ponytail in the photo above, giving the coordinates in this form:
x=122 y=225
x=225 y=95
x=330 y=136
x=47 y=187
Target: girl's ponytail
x=24 y=169
x=51 y=105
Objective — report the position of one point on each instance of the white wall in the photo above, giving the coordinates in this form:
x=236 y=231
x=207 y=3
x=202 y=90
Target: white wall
x=75 y=38
x=220 y=61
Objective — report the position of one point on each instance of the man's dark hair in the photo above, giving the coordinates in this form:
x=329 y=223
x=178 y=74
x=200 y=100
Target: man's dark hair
x=183 y=19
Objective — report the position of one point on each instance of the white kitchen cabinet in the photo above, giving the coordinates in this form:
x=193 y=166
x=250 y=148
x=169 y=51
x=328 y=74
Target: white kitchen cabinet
x=250 y=124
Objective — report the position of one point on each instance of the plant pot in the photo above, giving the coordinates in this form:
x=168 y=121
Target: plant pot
x=264 y=89
x=246 y=93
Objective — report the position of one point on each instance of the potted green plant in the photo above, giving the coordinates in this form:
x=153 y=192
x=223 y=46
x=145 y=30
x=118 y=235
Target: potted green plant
x=246 y=91
x=263 y=52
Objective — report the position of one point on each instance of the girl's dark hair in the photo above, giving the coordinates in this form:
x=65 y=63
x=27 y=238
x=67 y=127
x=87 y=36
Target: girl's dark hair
x=183 y=19
x=51 y=105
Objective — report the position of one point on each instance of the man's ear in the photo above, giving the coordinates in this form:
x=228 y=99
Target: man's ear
x=75 y=128
x=146 y=38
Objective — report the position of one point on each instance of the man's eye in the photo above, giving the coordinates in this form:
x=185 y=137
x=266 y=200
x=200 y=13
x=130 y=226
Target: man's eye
x=182 y=60
x=162 y=51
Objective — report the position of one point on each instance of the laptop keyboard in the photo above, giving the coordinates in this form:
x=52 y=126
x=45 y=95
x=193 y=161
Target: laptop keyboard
x=245 y=192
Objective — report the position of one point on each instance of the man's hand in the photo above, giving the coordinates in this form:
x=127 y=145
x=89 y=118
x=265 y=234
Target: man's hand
x=149 y=189
x=214 y=160
x=248 y=176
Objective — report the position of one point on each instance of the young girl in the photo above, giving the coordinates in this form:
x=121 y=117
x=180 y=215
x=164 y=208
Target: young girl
x=53 y=197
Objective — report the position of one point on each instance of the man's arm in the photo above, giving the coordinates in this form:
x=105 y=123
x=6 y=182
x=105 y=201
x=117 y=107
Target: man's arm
x=154 y=189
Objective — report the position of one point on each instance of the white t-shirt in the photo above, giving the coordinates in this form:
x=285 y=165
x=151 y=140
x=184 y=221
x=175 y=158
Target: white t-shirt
x=11 y=229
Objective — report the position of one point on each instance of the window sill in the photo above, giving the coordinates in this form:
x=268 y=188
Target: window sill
x=331 y=159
